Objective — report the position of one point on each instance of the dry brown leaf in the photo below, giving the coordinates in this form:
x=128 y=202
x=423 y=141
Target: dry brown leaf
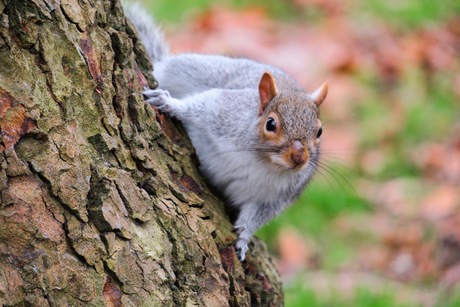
x=448 y=242
x=294 y=254
x=440 y=203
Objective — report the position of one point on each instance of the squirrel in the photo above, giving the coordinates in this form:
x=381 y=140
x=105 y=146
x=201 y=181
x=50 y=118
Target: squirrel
x=256 y=132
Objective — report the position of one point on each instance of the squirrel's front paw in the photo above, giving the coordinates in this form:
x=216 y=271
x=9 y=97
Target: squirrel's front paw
x=157 y=98
x=241 y=247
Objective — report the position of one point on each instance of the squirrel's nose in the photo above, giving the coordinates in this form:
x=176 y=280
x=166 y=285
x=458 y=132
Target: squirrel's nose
x=298 y=153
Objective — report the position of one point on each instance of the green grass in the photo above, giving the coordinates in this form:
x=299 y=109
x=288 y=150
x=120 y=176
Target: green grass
x=409 y=14
x=415 y=114
x=316 y=207
x=403 y=14
x=450 y=298
x=365 y=297
x=311 y=215
x=174 y=10
x=300 y=296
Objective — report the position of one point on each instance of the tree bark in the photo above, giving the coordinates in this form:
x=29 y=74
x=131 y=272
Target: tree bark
x=101 y=202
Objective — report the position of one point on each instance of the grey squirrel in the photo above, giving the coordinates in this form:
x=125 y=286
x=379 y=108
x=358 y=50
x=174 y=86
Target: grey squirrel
x=256 y=132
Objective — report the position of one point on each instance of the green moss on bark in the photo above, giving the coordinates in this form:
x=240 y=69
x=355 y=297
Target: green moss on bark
x=101 y=203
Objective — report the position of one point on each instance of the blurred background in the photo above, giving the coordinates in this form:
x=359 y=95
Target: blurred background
x=380 y=224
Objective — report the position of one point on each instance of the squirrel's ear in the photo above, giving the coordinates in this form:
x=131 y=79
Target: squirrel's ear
x=320 y=94
x=267 y=90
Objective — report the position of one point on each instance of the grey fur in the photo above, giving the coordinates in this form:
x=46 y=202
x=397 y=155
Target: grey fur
x=150 y=34
x=217 y=98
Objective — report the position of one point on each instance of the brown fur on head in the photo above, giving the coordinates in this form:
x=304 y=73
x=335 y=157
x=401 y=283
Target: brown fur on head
x=289 y=124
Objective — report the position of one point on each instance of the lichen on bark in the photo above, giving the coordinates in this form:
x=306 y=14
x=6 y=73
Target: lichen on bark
x=101 y=202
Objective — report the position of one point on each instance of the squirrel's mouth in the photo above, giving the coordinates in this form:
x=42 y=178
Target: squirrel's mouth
x=298 y=166
x=285 y=162
x=292 y=158
x=289 y=167
x=296 y=155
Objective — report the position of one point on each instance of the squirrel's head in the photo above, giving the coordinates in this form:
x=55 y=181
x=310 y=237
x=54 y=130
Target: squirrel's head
x=289 y=125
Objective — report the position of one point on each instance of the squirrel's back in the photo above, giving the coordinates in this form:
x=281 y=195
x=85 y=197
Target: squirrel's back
x=195 y=73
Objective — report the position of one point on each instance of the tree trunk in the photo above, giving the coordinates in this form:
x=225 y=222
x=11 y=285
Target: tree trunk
x=101 y=202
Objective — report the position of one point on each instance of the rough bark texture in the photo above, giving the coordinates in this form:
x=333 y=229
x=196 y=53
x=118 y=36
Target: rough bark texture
x=101 y=204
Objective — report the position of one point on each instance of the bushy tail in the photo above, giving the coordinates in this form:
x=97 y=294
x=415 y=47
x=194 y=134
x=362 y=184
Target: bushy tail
x=149 y=33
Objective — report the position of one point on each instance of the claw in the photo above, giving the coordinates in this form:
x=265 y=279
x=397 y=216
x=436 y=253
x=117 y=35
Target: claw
x=241 y=256
x=241 y=247
x=156 y=98
x=238 y=230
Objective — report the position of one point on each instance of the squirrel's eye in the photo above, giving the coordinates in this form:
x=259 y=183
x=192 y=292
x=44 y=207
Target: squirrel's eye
x=271 y=124
x=320 y=131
